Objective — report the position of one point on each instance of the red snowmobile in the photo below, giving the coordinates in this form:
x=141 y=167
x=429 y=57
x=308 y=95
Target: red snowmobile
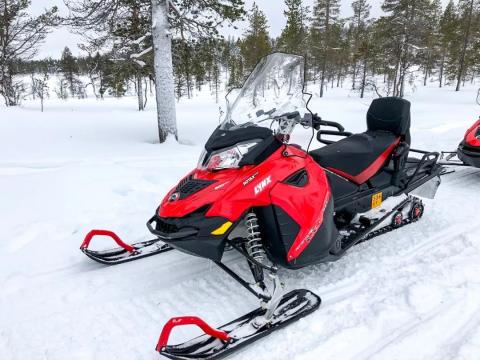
x=468 y=152
x=258 y=193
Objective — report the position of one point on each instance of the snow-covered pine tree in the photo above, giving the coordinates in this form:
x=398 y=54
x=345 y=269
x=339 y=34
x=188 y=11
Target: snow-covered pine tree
x=130 y=43
x=325 y=15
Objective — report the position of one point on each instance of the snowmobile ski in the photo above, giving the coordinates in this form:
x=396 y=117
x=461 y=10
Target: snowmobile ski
x=124 y=252
x=221 y=342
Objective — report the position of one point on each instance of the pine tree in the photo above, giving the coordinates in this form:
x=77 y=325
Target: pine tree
x=429 y=55
x=359 y=22
x=448 y=28
x=69 y=69
x=467 y=8
x=325 y=15
x=256 y=43
x=294 y=36
x=405 y=26
x=130 y=43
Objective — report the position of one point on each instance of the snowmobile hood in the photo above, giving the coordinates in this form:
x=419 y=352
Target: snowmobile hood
x=229 y=193
x=199 y=189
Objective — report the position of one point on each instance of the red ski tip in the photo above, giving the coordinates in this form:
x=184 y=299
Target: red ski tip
x=188 y=320
x=108 y=233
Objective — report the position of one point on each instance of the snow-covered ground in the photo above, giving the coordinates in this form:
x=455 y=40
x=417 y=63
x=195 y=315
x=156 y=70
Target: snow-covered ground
x=82 y=164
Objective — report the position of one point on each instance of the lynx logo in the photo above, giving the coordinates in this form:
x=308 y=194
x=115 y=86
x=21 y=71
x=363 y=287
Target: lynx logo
x=262 y=185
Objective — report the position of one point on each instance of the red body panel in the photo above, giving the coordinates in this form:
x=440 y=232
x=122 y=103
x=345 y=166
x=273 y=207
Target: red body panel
x=237 y=190
x=470 y=136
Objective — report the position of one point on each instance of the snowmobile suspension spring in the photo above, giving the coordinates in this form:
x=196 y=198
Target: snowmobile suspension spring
x=254 y=241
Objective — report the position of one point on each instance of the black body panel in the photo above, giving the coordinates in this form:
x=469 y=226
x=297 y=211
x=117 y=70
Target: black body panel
x=282 y=231
x=221 y=139
x=261 y=152
x=191 y=234
x=468 y=154
x=224 y=138
x=189 y=186
x=355 y=153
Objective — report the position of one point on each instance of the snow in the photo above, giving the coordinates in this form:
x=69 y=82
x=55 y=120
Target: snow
x=82 y=164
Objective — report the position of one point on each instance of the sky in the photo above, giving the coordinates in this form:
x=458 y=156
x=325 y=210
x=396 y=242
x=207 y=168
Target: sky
x=59 y=38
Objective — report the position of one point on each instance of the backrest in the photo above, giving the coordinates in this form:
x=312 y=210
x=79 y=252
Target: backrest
x=390 y=114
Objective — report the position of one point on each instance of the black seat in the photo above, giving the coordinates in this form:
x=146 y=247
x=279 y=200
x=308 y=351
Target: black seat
x=361 y=156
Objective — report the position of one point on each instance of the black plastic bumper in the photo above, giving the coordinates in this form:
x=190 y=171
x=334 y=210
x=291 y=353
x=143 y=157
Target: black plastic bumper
x=469 y=156
x=191 y=235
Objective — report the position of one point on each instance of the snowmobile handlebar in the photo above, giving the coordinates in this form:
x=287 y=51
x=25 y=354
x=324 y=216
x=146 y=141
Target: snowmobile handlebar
x=317 y=122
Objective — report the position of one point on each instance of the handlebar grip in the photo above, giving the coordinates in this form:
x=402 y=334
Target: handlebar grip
x=317 y=122
x=333 y=124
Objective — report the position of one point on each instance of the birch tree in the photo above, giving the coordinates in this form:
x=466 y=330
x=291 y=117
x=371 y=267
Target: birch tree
x=20 y=36
x=169 y=19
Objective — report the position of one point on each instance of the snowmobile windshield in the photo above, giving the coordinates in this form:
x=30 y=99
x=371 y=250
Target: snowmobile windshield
x=274 y=89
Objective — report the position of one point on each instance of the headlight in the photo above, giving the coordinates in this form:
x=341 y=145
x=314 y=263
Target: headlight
x=227 y=158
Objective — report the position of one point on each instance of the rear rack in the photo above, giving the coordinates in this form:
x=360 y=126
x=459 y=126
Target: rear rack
x=426 y=166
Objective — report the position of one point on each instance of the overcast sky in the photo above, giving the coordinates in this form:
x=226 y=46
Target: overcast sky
x=273 y=9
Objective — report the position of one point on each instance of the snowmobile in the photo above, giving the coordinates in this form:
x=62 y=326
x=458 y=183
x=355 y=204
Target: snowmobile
x=255 y=191
x=468 y=151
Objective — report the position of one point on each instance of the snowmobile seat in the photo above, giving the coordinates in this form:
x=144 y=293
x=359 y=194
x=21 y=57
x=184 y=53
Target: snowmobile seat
x=360 y=156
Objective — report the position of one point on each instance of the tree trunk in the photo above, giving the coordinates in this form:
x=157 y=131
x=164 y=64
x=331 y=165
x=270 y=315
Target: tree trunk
x=442 y=67
x=364 y=77
x=354 y=74
x=141 y=105
x=464 y=49
x=325 y=50
x=164 y=84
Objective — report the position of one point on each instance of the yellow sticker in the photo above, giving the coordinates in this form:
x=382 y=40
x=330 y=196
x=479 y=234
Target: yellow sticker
x=377 y=200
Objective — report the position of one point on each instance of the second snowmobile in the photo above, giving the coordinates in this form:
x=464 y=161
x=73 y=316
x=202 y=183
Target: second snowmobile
x=468 y=151
x=256 y=192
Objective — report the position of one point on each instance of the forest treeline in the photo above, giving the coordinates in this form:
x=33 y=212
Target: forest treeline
x=413 y=40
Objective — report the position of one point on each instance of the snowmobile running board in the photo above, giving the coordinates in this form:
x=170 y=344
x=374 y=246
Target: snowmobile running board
x=124 y=252
x=221 y=342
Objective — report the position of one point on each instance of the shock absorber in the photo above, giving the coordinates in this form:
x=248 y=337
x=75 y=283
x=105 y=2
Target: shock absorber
x=254 y=244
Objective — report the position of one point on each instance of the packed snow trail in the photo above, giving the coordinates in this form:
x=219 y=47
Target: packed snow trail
x=409 y=294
